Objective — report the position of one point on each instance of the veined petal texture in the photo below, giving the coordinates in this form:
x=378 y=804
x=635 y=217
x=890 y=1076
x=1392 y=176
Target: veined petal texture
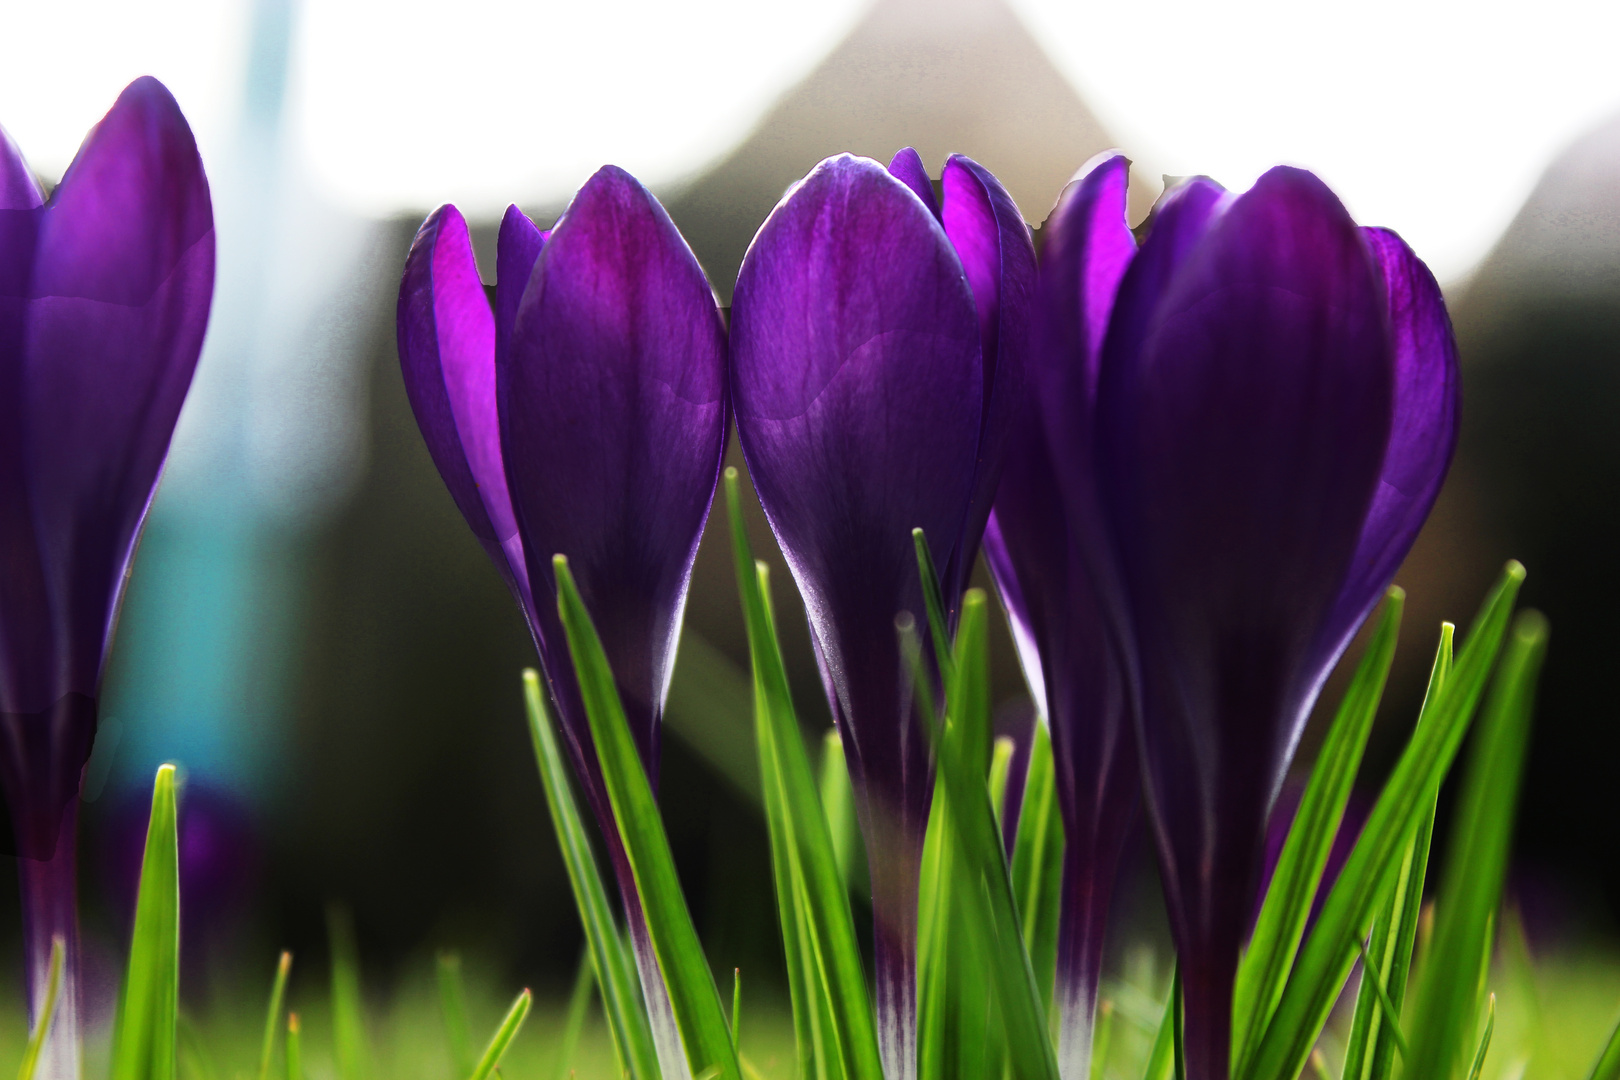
x=613 y=411
x=1244 y=413
x=104 y=298
x=858 y=384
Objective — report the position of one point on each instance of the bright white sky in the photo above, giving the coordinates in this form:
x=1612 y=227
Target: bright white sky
x=1432 y=116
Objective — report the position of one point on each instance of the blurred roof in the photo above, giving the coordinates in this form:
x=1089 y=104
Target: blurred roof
x=948 y=76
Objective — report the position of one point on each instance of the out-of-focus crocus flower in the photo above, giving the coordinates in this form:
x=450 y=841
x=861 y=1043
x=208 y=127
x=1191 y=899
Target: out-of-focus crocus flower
x=584 y=416
x=877 y=352
x=1275 y=411
x=104 y=296
x=1042 y=572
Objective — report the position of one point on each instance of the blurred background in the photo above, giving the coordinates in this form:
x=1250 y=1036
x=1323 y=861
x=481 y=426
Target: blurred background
x=312 y=631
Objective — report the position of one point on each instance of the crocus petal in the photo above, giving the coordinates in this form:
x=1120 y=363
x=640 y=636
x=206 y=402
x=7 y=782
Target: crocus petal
x=998 y=255
x=1239 y=451
x=123 y=277
x=517 y=249
x=1045 y=578
x=1086 y=256
x=1422 y=438
x=446 y=337
x=104 y=297
x=613 y=423
x=18 y=188
x=858 y=389
x=908 y=168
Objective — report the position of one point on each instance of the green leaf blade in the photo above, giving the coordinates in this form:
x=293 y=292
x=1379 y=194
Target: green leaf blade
x=1326 y=959
x=511 y=1024
x=694 y=999
x=1476 y=866
x=615 y=971
x=833 y=1018
x=1287 y=905
x=145 y=1040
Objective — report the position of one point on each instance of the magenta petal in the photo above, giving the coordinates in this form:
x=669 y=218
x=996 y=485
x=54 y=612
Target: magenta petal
x=856 y=372
x=446 y=338
x=613 y=424
x=1043 y=571
x=104 y=297
x=517 y=250
x=123 y=278
x=998 y=255
x=908 y=168
x=18 y=188
x=1422 y=438
x=1239 y=452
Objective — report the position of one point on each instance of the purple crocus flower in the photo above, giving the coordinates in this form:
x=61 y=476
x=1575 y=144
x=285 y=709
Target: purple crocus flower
x=1043 y=573
x=104 y=296
x=1275 y=410
x=877 y=352
x=585 y=416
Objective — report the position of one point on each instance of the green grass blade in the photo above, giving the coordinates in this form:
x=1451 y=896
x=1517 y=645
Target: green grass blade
x=348 y=1011
x=1037 y=865
x=1484 y=1041
x=1001 y=755
x=934 y=602
x=1607 y=1066
x=833 y=1019
x=616 y=978
x=1161 y=1063
x=47 y=1010
x=736 y=1009
x=983 y=890
x=510 y=1026
x=1287 y=905
x=1330 y=950
x=272 y=1021
x=146 y=1036
x=579 y=1004
x=838 y=803
x=295 y=1054
x=699 y=1016
x=1449 y=992
x=1370 y=1050
x=1392 y=1014
x=453 y=1006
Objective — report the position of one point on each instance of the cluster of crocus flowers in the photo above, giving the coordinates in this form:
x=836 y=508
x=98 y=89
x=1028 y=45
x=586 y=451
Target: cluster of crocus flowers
x=585 y=415
x=1195 y=461
x=104 y=296
x=1243 y=424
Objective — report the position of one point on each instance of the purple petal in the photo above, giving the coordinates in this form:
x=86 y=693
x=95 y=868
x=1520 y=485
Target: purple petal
x=858 y=387
x=1239 y=451
x=1422 y=438
x=1043 y=571
x=104 y=297
x=123 y=278
x=1087 y=251
x=517 y=250
x=998 y=255
x=907 y=167
x=446 y=337
x=18 y=188
x=613 y=424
